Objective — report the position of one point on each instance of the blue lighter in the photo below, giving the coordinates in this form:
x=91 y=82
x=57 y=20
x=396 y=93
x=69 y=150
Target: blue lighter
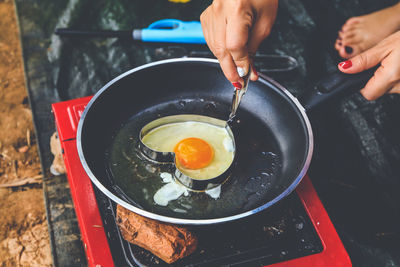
x=171 y=31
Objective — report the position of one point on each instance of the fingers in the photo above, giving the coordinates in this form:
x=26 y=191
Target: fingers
x=395 y=89
x=377 y=86
x=254 y=74
x=237 y=35
x=385 y=78
x=241 y=48
x=233 y=31
x=225 y=59
x=214 y=28
x=232 y=50
x=363 y=61
x=229 y=68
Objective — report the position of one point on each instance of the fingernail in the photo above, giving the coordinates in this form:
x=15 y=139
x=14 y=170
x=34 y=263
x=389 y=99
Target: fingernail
x=346 y=64
x=237 y=85
x=348 y=49
x=241 y=71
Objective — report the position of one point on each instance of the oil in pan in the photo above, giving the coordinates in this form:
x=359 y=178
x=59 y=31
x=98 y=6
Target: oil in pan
x=255 y=172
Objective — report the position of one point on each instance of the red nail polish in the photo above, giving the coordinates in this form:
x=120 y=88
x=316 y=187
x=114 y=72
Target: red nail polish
x=237 y=85
x=346 y=64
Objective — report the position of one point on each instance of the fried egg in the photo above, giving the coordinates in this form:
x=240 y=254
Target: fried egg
x=202 y=150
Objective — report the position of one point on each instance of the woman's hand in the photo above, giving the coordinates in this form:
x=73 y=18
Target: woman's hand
x=234 y=29
x=387 y=77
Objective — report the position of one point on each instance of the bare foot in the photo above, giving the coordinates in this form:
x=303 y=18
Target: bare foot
x=360 y=33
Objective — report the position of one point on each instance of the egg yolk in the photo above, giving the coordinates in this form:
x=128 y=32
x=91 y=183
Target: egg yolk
x=194 y=153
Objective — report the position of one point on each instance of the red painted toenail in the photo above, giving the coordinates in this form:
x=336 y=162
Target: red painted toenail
x=346 y=64
x=348 y=49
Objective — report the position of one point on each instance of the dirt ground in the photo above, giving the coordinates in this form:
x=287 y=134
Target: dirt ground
x=24 y=239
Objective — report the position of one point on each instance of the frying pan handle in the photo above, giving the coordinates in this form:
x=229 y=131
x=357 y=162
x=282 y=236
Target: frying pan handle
x=333 y=86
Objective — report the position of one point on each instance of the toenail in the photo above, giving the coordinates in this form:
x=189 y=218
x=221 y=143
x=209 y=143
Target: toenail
x=346 y=64
x=348 y=49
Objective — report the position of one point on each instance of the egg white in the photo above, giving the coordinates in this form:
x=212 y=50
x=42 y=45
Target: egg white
x=165 y=137
x=173 y=190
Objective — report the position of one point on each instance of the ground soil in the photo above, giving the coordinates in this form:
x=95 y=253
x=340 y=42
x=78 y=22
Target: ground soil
x=24 y=239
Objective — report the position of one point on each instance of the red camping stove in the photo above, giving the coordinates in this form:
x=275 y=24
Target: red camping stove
x=297 y=233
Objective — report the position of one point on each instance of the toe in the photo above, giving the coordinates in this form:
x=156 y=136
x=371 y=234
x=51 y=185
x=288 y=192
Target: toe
x=342 y=52
x=349 y=50
x=350 y=23
x=347 y=27
x=338 y=44
x=348 y=34
x=341 y=34
x=353 y=40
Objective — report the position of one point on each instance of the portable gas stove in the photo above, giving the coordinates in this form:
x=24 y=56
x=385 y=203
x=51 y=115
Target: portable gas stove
x=295 y=232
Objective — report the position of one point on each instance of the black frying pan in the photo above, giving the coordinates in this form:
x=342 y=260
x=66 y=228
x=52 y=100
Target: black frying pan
x=273 y=136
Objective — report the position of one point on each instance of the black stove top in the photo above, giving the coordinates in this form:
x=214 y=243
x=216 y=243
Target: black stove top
x=278 y=234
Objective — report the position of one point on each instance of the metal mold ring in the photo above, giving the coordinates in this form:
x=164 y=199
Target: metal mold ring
x=169 y=157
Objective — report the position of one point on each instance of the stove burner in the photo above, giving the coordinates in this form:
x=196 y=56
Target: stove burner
x=297 y=231
x=282 y=233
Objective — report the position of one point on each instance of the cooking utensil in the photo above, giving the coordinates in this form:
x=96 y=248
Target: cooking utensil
x=264 y=63
x=169 y=157
x=274 y=140
x=238 y=93
x=162 y=31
